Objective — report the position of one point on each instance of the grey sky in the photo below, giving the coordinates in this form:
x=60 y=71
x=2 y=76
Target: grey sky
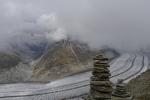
x=123 y=24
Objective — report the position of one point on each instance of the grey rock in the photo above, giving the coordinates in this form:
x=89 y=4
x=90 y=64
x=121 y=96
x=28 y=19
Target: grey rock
x=101 y=88
x=120 y=90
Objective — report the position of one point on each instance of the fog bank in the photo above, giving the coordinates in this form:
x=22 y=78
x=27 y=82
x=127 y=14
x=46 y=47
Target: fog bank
x=119 y=24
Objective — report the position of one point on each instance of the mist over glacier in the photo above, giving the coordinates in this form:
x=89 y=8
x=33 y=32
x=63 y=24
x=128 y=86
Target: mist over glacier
x=119 y=24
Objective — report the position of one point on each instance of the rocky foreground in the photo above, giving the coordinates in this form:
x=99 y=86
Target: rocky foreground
x=140 y=86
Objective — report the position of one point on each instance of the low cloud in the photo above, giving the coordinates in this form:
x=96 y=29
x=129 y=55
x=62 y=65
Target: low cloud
x=50 y=25
x=120 y=24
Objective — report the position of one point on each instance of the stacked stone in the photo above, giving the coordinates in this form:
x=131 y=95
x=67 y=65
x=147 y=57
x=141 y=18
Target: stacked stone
x=100 y=85
x=120 y=91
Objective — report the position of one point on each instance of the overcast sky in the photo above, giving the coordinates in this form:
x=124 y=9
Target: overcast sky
x=124 y=24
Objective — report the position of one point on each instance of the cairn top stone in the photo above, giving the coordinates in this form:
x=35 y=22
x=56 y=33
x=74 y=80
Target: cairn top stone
x=100 y=57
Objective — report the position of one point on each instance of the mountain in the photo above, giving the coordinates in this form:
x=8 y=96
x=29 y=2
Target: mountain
x=65 y=58
x=15 y=60
x=32 y=57
x=62 y=59
x=8 y=61
x=28 y=46
x=11 y=68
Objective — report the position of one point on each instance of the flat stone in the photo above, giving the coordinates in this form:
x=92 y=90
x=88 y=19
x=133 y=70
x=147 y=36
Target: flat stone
x=97 y=74
x=120 y=86
x=102 y=89
x=100 y=77
x=99 y=62
x=121 y=96
x=100 y=59
x=101 y=83
x=100 y=96
x=120 y=93
x=120 y=89
x=99 y=69
x=101 y=74
x=118 y=98
x=99 y=56
x=104 y=65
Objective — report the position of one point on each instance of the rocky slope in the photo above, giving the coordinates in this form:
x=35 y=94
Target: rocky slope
x=65 y=58
x=140 y=86
x=15 y=60
x=19 y=73
x=8 y=65
x=32 y=58
x=7 y=61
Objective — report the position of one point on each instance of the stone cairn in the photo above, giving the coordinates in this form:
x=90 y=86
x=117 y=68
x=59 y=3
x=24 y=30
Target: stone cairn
x=101 y=88
x=120 y=92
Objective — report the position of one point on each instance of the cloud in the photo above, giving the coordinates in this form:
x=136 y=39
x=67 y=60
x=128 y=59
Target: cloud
x=120 y=24
x=51 y=27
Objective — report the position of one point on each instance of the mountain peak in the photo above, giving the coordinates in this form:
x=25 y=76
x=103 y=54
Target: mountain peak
x=66 y=56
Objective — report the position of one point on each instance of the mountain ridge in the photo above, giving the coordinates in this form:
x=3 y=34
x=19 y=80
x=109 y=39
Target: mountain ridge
x=57 y=60
x=65 y=58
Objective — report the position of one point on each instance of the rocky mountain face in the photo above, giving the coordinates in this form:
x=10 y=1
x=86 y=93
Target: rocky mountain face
x=8 y=61
x=65 y=58
x=28 y=46
x=11 y=68
x=15 y=62
x=33 y=58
